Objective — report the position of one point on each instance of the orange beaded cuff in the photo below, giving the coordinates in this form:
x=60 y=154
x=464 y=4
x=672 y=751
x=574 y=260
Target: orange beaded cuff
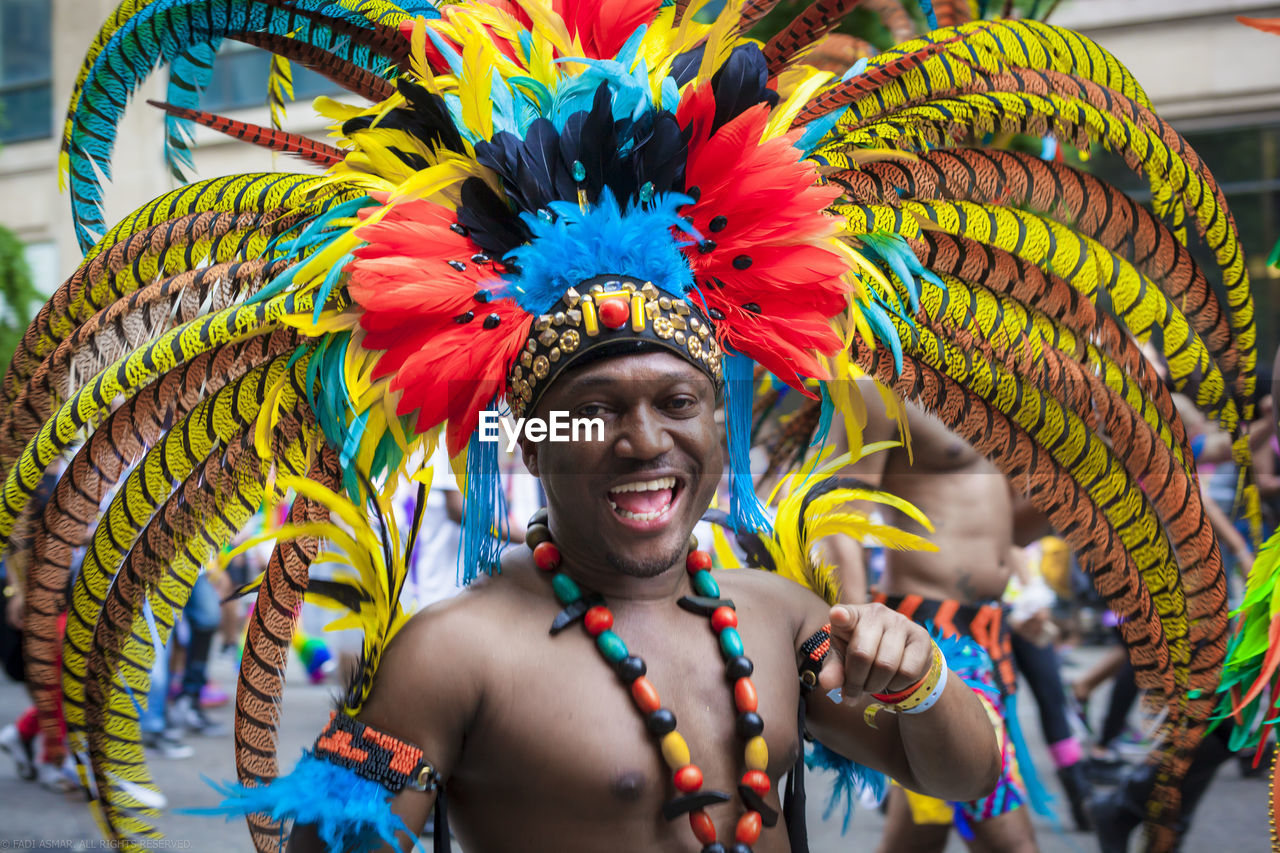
x=375 y=755
x=813 y=652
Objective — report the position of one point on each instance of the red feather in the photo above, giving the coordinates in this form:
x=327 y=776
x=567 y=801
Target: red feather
x=603 y=26
x=425 y=314
x=771 y=269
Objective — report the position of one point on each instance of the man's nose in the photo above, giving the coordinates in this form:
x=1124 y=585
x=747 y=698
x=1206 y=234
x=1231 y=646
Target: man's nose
x=643 y=435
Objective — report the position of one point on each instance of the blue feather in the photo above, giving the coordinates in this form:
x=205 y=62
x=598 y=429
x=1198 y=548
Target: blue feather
x=605 y=240
x=189 y=74
x=348 y=811
x=926 y=6
x=852 y=779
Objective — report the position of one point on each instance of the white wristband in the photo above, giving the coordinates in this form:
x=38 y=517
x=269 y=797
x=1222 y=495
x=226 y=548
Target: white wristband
x=933 y=695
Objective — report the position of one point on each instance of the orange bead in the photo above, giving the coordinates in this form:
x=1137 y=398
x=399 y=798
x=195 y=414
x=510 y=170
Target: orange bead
x=744 y=695
x=748 y=829
x=646 y=695
x=688 y=779
x=547 y=556
x=723 y=617
x=758 y=781
x=703 y=828
x=598 y=620
x=697 y=561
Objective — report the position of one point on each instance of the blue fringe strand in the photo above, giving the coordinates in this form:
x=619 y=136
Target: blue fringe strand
x=482 y=506
x=747 y=512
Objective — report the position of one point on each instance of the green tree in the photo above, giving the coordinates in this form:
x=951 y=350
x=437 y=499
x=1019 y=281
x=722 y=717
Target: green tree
x=18 y=295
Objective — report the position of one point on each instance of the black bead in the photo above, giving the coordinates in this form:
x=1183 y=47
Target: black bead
x=458 y=265
x=718 y=223
x=749 y=724
x=742 y=262
x=459 y=228
x=510 y=267
x=739 y=667
x=714 y=847
x=706 y=247
x=660 y=722
x=740 y=848
x=630 y=668
x=491 y=322
x=694 y=193
x=465 y=318
x=481 y=296
x=480 y=258
x=752 y=307
x=715 y=313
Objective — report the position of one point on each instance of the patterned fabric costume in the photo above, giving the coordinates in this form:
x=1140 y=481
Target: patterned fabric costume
x=520 y=178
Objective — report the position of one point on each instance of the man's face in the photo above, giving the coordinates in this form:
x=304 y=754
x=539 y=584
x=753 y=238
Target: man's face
x=632 y=499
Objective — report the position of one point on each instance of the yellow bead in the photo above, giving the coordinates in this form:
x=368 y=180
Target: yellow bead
x=757 y=754
x=674 y=750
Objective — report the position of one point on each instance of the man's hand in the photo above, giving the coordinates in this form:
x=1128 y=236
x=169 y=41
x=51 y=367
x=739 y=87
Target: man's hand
x=14 y=610
x=874 y=650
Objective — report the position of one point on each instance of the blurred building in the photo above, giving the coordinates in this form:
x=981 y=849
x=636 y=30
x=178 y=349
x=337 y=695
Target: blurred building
x=1214 y=79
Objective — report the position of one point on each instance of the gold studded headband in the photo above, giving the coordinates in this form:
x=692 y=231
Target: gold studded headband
x=613 y=309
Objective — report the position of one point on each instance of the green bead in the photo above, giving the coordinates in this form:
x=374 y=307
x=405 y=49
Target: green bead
x=706 y=585
x=731 y=642
x=611 y=646
x=566 y=588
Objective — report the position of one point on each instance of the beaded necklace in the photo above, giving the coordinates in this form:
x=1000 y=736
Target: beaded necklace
x=597 y=620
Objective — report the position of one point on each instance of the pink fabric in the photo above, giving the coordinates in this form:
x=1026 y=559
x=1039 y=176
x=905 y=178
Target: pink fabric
x=1065 y=752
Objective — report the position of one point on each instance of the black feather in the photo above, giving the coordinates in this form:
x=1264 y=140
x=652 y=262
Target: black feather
x=492 y=225
x=741 y=83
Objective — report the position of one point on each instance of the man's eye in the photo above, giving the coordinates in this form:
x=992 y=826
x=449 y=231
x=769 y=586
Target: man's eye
x=591 y=410
x=680 y=403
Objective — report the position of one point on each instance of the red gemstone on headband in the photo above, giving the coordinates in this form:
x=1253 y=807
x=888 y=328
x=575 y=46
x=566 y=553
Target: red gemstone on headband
x=614 y=313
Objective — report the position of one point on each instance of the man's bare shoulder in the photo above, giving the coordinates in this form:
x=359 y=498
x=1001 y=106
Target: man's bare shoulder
x=766 y=591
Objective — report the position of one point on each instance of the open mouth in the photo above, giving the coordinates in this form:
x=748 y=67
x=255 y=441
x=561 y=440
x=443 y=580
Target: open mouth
x=646 y=502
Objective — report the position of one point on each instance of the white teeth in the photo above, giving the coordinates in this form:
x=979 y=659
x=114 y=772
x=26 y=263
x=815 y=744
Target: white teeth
x=640 y=516
x=648 y=485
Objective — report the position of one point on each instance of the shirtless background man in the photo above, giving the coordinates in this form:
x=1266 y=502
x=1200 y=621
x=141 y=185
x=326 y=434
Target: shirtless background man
x=970 y=504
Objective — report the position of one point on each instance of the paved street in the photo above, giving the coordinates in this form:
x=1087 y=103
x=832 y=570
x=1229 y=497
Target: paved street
x=1233 y=818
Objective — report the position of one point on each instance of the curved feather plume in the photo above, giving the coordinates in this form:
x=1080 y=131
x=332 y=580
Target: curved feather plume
x=276 y=140
x=69 y=519
x=266 y=648
x=210 y=506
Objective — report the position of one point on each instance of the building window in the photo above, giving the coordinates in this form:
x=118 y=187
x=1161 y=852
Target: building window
x=240 y=79
x=26 y=70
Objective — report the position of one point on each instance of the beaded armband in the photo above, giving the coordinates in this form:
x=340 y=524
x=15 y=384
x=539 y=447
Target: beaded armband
x=376 y=756
x=814 y=652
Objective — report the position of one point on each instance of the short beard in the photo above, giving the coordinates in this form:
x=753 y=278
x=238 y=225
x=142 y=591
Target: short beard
x=645 y=568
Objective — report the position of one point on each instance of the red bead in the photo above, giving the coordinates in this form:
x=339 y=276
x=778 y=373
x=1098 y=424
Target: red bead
x=697 y=561
x=744 y=695
x=598 y=620
x=688 y=779
x=614 y=313
x=758 y=781
x=723 y=617
x=547 y=556
x=748 y=829
x=703 y=828
x=646 y=695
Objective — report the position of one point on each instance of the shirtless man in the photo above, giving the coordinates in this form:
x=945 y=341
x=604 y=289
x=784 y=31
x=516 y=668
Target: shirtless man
x=957 y=587
x=539 y=743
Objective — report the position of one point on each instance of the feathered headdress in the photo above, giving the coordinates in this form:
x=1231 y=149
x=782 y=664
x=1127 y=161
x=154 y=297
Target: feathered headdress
x=527 y=180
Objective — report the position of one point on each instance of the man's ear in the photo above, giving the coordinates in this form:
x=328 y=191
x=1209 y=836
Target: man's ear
x=529 y=452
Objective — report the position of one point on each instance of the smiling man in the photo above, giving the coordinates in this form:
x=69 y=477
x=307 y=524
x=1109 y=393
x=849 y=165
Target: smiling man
x=604 y=692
